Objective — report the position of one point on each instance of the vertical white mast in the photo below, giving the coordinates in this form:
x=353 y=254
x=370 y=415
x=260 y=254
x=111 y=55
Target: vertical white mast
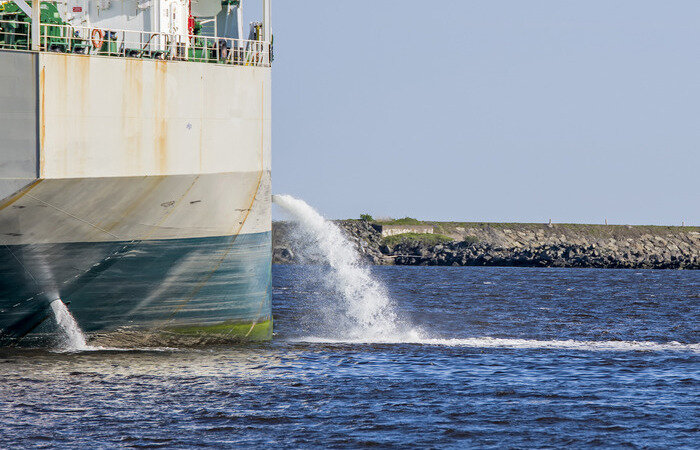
x=267 y=21
x=239 y=19
x=36 y=17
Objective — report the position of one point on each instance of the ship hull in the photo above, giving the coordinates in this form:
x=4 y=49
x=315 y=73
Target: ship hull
x=137 y=192
x=140 y=261
x=149 y=291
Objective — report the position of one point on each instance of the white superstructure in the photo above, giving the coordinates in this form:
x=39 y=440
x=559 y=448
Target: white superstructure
x=157 y=16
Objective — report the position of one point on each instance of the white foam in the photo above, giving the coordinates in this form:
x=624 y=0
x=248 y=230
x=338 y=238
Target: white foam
x=367 y=310
x=489 y=342
x=74 y=339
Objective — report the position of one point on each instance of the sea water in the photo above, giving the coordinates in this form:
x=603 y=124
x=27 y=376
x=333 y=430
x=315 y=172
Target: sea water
x=435 y=357
x=521 y=357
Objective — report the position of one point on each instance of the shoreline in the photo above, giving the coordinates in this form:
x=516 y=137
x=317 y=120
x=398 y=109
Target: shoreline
x=508 y=244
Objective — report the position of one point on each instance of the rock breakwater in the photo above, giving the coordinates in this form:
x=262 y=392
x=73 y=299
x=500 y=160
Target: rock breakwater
x=524 y=245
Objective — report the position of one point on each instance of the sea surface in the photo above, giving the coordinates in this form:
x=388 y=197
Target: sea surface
x=480 y=357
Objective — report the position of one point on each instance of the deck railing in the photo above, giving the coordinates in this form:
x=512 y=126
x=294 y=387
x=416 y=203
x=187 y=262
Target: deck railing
x=136 y=44
x=14 y=35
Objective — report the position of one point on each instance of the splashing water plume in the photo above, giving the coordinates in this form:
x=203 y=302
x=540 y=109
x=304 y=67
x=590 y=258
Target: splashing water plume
x=371 y=314
x=367 y=307
x=74 y=337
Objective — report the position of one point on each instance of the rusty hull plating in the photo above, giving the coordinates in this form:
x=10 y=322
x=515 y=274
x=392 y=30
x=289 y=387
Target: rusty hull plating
x=139 y=190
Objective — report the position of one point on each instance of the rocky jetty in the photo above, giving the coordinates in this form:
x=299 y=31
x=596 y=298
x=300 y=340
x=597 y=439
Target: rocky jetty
x=524 y=245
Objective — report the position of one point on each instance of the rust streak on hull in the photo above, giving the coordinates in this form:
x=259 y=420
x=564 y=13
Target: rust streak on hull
x=19 y=194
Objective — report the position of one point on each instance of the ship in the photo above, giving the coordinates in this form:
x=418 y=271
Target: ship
x=135 y=170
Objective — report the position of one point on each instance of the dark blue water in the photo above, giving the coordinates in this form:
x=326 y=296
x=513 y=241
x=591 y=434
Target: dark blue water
x=510 y=358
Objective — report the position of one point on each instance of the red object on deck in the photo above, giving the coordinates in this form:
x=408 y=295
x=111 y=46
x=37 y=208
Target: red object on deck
x=77 y=9
x=190 y=19
x=190 y=24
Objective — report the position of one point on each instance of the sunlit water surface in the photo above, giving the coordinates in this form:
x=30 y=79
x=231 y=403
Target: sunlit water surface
x=505 y=358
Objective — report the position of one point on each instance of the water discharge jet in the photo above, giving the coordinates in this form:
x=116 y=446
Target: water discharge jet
x=367 y=307
x=371 y=314
x=74 y=339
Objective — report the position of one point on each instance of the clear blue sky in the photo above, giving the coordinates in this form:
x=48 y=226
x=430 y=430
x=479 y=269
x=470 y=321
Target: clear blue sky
x=482 y=110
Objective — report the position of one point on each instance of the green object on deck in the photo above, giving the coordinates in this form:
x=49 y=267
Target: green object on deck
x=49 y=13
x=15 y=26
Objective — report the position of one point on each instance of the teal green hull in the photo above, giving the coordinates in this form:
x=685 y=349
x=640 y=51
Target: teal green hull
x=145 y=291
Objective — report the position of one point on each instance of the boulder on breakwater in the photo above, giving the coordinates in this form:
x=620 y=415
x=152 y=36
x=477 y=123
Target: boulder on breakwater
x=510 y=244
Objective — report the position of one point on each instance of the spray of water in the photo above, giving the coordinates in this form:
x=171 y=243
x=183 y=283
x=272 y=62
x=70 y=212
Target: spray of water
x=74 y=339
x=367 y=309
x=369 y=316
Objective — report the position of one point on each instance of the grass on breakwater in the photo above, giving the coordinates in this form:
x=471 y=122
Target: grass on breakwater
x=403 y=221
x=423 y=238
x=589 y=230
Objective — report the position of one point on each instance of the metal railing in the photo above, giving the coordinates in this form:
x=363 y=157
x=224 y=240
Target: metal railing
x=136 y=44
x=15 y=35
